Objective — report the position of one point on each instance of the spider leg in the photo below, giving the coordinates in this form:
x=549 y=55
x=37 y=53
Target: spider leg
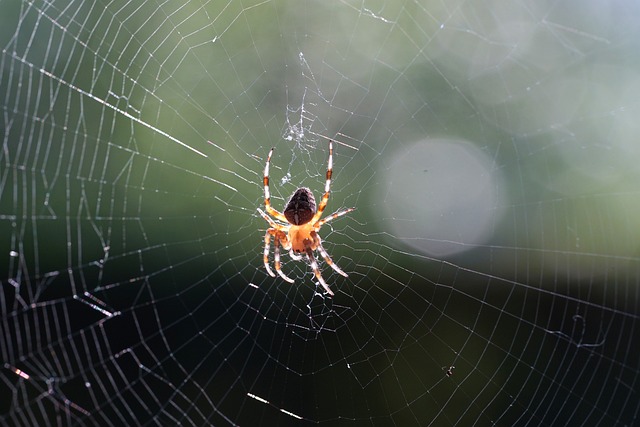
x=327 y=186
x=325 y=254
x=316 y=271
x=271 y=222
x=267 y=240
x=294 y=255
x=280 y=239
x=333 y=216
x=267 y=194
x=276 y=256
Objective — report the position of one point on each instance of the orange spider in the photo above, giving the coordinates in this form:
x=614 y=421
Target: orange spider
x=300 y=233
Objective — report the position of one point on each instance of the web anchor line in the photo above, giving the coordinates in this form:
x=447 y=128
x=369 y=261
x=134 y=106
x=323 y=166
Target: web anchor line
x=106 y=104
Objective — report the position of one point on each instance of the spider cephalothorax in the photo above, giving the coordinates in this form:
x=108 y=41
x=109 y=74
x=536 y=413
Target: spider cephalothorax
x=300 y=233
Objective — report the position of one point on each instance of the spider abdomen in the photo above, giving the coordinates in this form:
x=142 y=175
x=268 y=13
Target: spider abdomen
x=301 y=207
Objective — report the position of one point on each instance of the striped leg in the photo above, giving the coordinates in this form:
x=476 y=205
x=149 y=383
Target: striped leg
x=316 y=271
x=325 y=254
x=267 y=240
x=267 y=192
x=276 y=252
x=332 y=216
x=294 y=256
x=327 y=186
x=271 y=222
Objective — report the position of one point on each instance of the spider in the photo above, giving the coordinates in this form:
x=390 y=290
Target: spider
x=449 y=372
x=300 y=233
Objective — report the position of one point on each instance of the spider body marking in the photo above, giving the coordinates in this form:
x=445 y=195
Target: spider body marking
x=299 y=233
x=301 y=207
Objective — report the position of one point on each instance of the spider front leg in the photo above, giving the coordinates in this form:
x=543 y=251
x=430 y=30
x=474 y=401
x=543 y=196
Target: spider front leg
x=316 y=271
x=325 y=254
x=276 y=254
x=280 y=239
x=265 y=256
x=294 y=256
x=314 y=267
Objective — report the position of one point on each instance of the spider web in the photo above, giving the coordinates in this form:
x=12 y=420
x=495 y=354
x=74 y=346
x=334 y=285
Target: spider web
x=490 y=149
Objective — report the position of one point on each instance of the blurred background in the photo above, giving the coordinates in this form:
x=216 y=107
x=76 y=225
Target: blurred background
x=490 y=150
